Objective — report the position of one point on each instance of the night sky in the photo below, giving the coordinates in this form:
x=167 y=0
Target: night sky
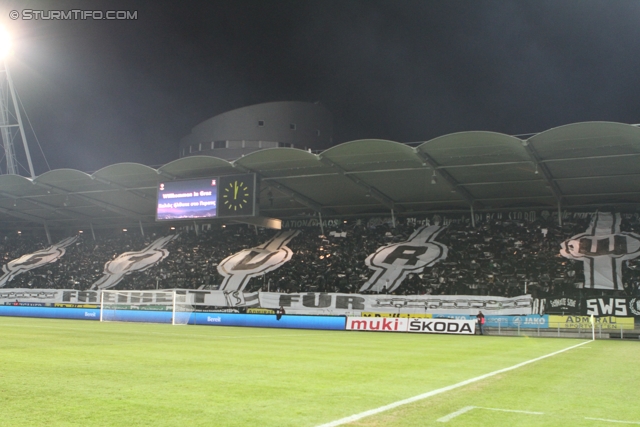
x=103 y=92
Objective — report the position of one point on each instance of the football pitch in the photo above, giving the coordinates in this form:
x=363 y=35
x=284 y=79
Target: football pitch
x=87 y=373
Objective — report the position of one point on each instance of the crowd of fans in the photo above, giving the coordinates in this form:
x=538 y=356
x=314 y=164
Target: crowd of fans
x=499 y=256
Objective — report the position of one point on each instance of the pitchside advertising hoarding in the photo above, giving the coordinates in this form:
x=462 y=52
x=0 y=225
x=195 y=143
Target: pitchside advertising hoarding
x=224 y=196
x=584 y=322
x=416 y=325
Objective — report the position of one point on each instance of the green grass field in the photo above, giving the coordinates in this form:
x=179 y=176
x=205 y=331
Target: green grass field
x=84 y=373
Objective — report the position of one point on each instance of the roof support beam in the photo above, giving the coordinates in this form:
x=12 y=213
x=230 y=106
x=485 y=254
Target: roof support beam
x=24 y=216
x=300 y=198
x=455 y=185
x=628 y=193
x=166 y=175
x=49 y=207
x=108 y=206
x=626 y=175
x=479 y=165
x=609 y=156
x=120 y=187
x=544 y=169
x=374 y=192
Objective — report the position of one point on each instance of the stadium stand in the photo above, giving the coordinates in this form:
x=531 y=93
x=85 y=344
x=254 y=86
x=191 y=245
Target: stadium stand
x=500 y=257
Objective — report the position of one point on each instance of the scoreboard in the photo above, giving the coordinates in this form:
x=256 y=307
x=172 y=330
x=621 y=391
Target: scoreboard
x=225 y=196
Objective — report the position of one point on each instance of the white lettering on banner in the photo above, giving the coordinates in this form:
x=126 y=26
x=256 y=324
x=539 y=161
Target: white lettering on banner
x=539 y=321
x=607 y=306
x=381 y=324
x=455 y=303
x=392 y=263
x=442 y=326
x=214 y=319
x=242 y=299
x=310 y=223
x=240 y=267
x=425 y=326
x=301 y=303
x=602 y=248
x=129 y=262
x=321 y=303
x=34 y=260
x=89 y=314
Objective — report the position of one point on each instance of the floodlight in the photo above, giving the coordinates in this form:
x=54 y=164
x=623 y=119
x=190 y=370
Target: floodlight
x=5 y=43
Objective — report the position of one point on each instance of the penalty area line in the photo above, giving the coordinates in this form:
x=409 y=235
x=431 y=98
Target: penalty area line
x=612 y=421
x=423 y=396
x=466 y=409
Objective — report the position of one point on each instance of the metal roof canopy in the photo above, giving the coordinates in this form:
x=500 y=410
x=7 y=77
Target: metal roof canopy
x=582 y=165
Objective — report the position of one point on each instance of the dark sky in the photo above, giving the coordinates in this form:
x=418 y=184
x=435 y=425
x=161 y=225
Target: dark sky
x=102 y=92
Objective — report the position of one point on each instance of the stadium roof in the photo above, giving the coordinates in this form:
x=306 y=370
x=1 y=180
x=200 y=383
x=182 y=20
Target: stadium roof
x=581 y=166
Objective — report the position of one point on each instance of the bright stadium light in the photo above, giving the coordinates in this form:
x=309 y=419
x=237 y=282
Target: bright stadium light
x=5 y=43
x=10 y=119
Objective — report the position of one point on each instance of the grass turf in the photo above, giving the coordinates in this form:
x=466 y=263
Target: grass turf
x=71 y=373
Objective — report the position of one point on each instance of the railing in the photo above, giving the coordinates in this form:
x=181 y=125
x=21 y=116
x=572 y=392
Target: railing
x=561 y=329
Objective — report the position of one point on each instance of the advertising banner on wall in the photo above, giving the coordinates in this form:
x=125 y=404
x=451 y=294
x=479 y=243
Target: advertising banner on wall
x=584 y=322
x=380 y=324
x=442 y=326
x=410 y=315
x=415 y=325
x=533 y=321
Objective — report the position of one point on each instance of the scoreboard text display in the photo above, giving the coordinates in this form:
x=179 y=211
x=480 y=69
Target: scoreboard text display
x=226 y=196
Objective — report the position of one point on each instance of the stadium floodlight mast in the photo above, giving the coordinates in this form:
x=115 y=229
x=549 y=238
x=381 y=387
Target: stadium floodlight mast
x=7 y=95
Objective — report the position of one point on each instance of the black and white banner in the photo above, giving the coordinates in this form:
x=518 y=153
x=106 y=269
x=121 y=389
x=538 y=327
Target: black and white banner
x=34 y=260
x=602 y=249
x=598 y=306
x=392 y=263
x=304 y=303
x=240 y=267
x=348 y=304
x=130 y=262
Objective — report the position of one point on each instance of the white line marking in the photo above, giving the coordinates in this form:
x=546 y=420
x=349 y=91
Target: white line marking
x=469 y=408
x=455 y=414
x=612 y=421
x=512 y=410
x=393 y=405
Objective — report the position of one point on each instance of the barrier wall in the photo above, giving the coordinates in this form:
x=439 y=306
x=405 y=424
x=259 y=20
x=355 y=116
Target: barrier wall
x=215 y=319
x=51 y=313
x=337 y=323
x=522 y=322
x=269 y=321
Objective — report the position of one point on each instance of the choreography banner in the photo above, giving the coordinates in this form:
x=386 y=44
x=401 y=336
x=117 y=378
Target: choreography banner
x=37 y=259
x=392 y=263
x=239 y=268
x=129 y=262
x=602 y=248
